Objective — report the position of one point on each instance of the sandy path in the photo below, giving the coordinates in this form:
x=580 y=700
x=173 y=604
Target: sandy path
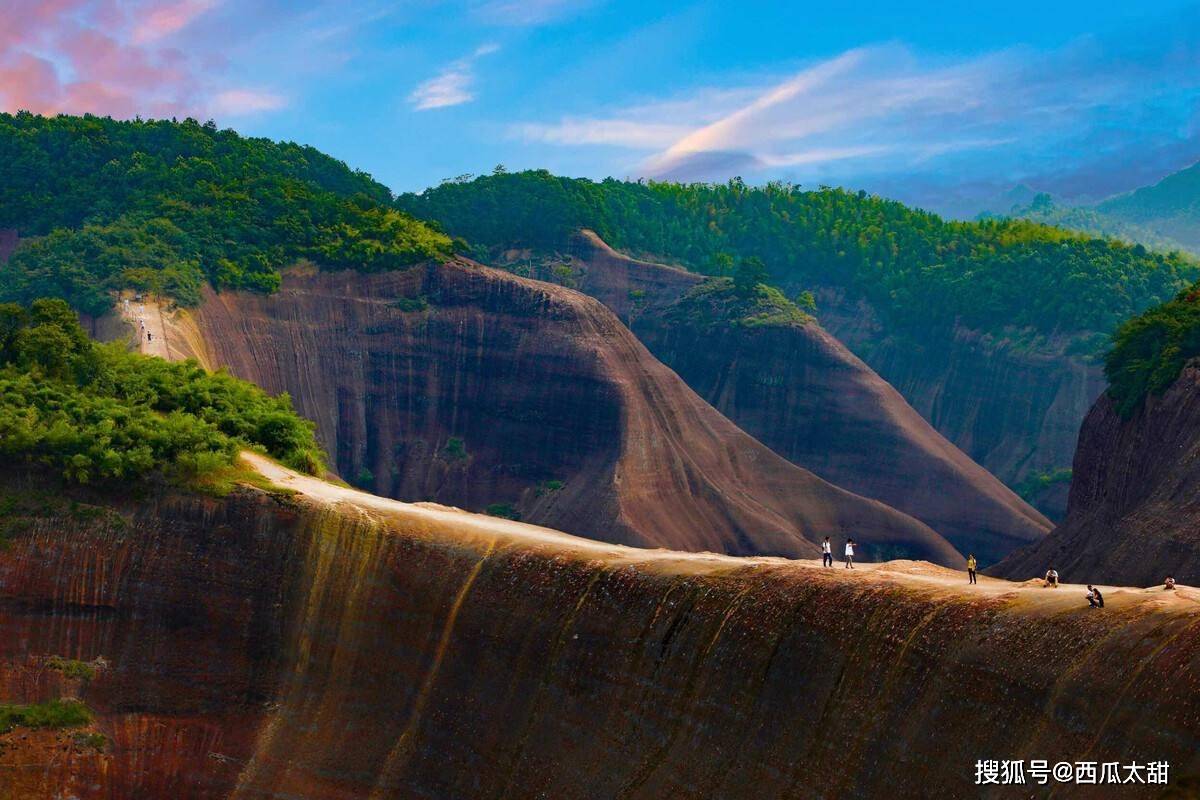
x=148 y=317
x=917 y=574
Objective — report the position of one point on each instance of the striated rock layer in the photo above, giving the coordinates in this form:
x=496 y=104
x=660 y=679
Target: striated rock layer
x=473 y=387
x=799 y=391
x=1134 y=509
x=1015 y=408
x=340 y=646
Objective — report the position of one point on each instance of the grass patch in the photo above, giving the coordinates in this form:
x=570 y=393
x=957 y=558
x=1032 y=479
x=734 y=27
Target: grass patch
x=72 y=668
x=50 y=714
x=1034 y=484
x=220 y=482
x=502 y=510
x=717 y=301
x=455 y=450
x=411 y=304
x=96 y=741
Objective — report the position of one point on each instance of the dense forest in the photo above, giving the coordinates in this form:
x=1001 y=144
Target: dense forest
x=1170 y=207
x=917 y=268
x=99 y=414
x=165 y=206
x=1150 y=350
x=1093 y=222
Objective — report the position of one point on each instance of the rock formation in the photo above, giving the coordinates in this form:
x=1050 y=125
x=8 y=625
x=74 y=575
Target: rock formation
x=803 y=394
x=330 y=644
x=1134 y=510
x=1014 y=407
x=476 y=388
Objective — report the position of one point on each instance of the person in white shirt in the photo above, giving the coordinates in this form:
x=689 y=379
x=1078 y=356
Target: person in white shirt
x=826 y=553
x=849 y=554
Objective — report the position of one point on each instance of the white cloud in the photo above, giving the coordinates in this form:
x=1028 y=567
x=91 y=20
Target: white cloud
x=452 y=86
x=878 y=110
x=239 y=102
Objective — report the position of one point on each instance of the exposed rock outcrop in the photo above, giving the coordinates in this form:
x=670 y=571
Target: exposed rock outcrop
x=1013 y=407
x=803 y=394
x=337 y=645
x=1134 y=510
x=476 y=388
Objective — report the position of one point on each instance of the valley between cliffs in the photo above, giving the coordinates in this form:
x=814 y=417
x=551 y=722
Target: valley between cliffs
x=319 y=642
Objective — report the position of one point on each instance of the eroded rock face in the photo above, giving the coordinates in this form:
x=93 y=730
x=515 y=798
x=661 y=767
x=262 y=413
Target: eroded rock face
x=1013 y=408
x=803 y=394
x=473 y=387
x=1134 y=510
x=280 y=649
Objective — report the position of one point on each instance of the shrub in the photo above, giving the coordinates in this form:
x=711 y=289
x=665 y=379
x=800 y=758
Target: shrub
x=504 y=510
x=50 y=714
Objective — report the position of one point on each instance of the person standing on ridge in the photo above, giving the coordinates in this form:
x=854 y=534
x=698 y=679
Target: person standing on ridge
x=849 y=554
x=971 y=569
x=826 y=553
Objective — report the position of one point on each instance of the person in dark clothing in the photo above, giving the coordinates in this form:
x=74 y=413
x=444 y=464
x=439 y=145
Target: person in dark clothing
x=1095 y=599
x=826 y=553
x=971 y=569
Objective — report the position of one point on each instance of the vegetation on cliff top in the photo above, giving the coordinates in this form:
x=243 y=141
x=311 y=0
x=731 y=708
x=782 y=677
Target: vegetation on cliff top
x=164 y=206
x=98 y=414
x=719 y=301
x=917 y=268
x=1150 y=350
x=50 y=714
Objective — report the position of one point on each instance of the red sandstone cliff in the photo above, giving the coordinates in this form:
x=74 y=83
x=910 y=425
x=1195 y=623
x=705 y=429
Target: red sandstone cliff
x=1134 y=510
x=1014 y=407
x=337 y=646
x=803 y=394
x=554 y=407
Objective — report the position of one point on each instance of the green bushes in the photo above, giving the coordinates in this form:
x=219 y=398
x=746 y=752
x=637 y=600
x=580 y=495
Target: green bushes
x=95 y=413
x=50 y=714
x=1150 y=350
x=919 y=270
x=164 y=206
x=719 y=301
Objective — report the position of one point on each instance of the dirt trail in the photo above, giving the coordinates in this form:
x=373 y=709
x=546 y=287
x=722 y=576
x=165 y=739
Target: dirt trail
x=1030 y=595
x=167 y=338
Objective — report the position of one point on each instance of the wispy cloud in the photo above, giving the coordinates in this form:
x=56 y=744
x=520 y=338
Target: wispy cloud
x=169 y=18
x=453 y=86
x=240 y=102
x=884 y=109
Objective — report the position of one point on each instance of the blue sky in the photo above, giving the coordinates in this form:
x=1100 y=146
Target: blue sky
x=937 y=103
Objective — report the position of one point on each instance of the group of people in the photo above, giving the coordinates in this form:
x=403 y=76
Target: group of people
x=827 y=553
x=141 y=316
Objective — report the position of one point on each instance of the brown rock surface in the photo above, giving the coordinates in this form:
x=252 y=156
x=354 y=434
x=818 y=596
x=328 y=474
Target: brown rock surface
x=1134 y=510
x=541 y=385
x=803 y=394
x=338 y=645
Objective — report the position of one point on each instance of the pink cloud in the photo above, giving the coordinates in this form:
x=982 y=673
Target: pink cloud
x=91 y=56
x=168 y=19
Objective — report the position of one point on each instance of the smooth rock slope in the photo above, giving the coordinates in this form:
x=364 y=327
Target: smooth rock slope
x=799 y=391
x=472 y=387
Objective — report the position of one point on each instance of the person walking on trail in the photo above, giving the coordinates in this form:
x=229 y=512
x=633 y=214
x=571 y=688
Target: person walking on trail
x=1052 y=578
x=849 y=554
x=971 y=569
x=826 y=553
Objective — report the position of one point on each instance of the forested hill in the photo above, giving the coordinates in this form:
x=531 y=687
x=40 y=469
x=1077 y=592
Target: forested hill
x=167 y=205
x=917 y=268
x=1170 y=207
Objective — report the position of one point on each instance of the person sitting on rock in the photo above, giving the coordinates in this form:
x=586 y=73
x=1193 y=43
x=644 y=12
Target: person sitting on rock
x=1094 y=598
x=1169 y=584
x=1052 y=578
